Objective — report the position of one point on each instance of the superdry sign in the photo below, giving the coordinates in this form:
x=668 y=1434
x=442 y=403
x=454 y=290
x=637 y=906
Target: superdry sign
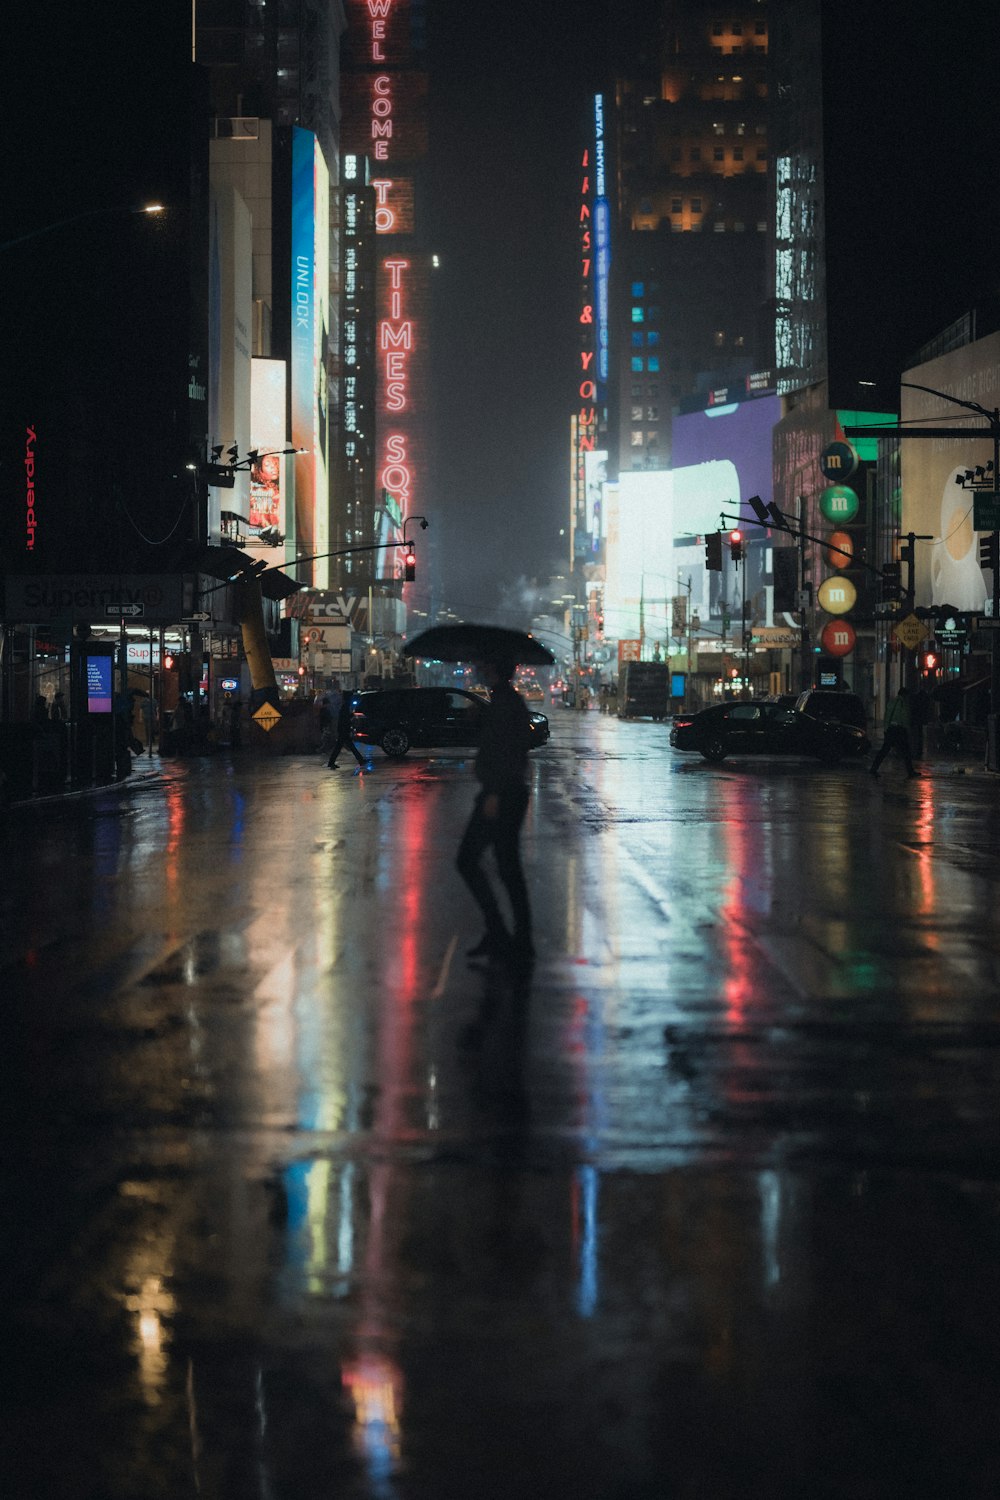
x=49 y=599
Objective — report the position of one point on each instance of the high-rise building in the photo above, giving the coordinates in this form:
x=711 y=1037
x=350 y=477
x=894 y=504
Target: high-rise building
x=691 y=223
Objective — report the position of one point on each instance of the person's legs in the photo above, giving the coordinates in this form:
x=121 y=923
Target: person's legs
x=507 y=842
x=337 y=747
x=883 y=751
x=356 y=752
x=479 y=834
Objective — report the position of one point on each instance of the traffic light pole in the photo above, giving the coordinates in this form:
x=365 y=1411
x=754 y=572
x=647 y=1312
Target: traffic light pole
x=992 y=431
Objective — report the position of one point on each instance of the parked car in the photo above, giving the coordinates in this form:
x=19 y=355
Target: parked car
x=398 y=719
x=763 y=727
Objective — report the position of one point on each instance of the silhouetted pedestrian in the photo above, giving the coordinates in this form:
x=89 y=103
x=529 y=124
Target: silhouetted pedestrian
x=345 y=736
x=502 y=771
x=58 y=710
x=896 y=735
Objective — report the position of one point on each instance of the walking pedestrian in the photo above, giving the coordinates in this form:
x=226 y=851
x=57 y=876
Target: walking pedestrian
x=58 y=710
x=896 y=734
x=345 y=736
x=501 y=769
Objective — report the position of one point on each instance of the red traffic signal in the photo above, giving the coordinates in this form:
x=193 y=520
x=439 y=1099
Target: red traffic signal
x=736 y=544
x=409 y=565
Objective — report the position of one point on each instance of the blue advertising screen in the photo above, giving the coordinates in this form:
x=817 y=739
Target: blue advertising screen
x=99 y=670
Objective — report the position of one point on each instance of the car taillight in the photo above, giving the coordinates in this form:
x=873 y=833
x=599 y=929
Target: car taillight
x=683 y=723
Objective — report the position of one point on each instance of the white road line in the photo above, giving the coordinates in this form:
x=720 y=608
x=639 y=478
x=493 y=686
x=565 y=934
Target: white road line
x=442 y=979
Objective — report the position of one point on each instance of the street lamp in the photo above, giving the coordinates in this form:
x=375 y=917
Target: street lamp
x=88 y=213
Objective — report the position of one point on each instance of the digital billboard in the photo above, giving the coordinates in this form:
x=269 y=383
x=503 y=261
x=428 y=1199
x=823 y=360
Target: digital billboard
x=230 y=316
x=309 y=347
x=738 y=433
x=99 y=679
x=946 y=568
x=267 y=437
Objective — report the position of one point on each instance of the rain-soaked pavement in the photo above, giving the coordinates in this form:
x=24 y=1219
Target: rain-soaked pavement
x=300 y=1206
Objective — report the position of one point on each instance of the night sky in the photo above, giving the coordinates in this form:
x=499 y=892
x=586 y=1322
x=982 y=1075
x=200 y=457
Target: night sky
x=912 y=241
x=511 y=89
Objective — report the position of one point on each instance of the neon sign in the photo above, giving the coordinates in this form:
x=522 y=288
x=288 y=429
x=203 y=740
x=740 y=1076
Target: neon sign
x=31 y=522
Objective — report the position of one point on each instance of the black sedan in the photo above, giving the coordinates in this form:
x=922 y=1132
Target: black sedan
x=427 y=718
x=763 y=727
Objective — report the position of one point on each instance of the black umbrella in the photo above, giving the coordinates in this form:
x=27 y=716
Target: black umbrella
x=469 y=642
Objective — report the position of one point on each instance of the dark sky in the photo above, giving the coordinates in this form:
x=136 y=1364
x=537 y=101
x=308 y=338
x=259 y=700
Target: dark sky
x=510 y=90
x=913 y=231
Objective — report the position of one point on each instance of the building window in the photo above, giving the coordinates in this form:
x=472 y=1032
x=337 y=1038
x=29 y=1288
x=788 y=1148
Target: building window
x=719 y=227
x=653 y=365
x=718 y=154
x=638 y=289
x=718 y=129
x=637 y=414
x=636 y=437
x=636 y=388
x=638 y=315
x=637 y=366
x=696 y=153
x=737 y=153
x=737 y=28
x=652 y=413
x=739 y=227
x=637 y=339
x=696 y=205
x=760 y=28
x=654 y=315
x=717 y=28
x=718 y=338
x=652 y=439
x=652 y=338
x=653 y=389
x=761 y=226
x=676 y=205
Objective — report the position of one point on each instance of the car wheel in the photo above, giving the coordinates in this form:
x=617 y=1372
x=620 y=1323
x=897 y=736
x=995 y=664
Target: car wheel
x=714 y=749
x=395 y=743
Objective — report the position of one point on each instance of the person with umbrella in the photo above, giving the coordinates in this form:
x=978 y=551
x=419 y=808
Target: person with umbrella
x=501 y=768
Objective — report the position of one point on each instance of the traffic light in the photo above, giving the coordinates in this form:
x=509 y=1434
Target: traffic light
x=736 y=545
x=713 y=552
x=892 y=580
x=988 y=551
x=409 y=565
x=785 y=565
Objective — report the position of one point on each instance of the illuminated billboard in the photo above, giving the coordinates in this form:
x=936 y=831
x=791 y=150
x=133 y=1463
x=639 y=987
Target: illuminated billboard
x=230 y=316
x=309 y=346
x=267 y=437
x=739 y=433
x=401 y=295
x=946 y=568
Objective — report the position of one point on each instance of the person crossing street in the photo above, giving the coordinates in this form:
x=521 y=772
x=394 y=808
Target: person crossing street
x=896 y=734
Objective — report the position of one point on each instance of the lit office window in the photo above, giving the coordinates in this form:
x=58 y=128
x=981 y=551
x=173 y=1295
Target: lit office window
x=637 y=366
x=638 y=315
x=638 y=289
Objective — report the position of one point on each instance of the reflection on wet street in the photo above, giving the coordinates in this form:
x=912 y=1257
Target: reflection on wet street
x=300 y=1203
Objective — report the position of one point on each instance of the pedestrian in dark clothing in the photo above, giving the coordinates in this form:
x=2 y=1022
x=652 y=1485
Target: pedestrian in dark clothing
x=58 y=710
x=344 y=736
x=502 y=771
x=897 y=733
x=40 y=712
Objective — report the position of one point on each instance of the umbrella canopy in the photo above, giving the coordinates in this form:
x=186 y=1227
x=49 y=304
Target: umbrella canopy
x=470 y=642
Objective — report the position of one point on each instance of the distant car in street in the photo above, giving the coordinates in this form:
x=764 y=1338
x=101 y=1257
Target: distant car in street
x=763 y=727
x=400 y=719
x=531 y=690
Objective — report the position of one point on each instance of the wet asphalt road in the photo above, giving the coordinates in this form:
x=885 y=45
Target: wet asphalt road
x=299 y=1204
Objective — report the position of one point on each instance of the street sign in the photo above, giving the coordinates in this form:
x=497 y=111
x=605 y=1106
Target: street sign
x=198 y=618
x=124 y=611
x=986 y=510
x=267 y=716
x=910 y=632
x=984 y=624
